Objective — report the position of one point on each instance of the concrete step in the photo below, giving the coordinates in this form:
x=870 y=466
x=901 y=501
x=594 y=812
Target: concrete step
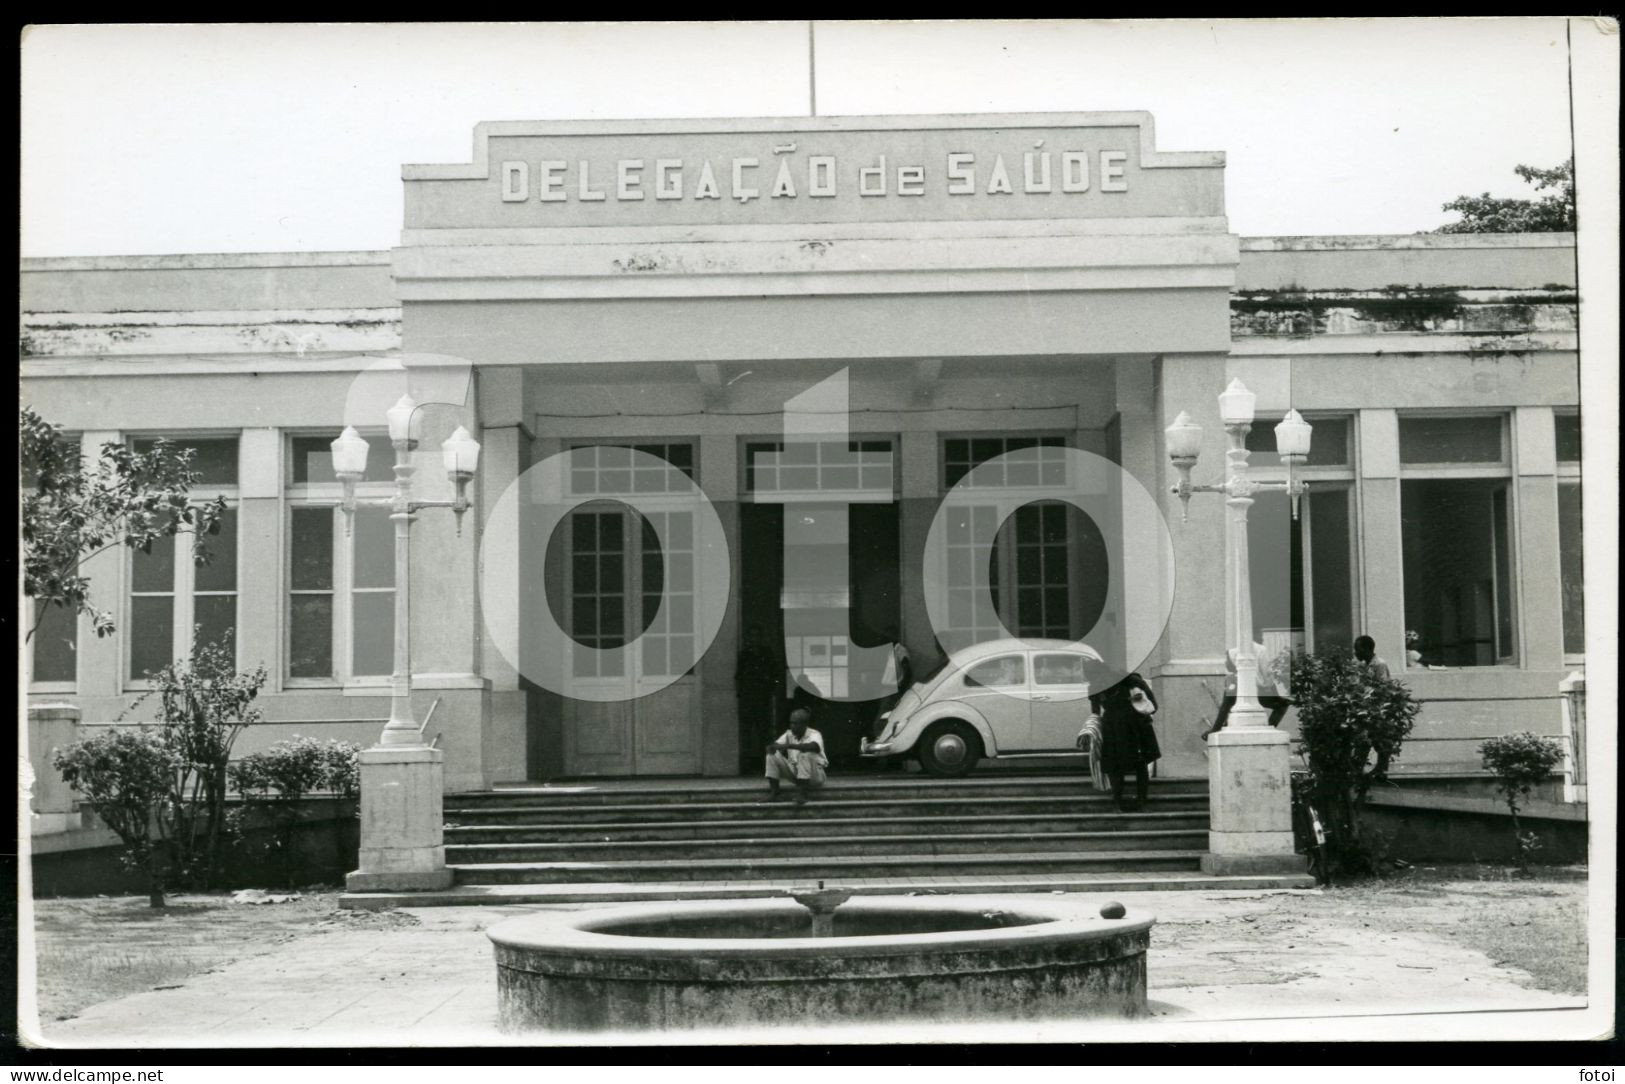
x=830 y=867
x=828 y=805
x=812 y=822
x=873 y=788
x=1098 y=883
x=804 y=845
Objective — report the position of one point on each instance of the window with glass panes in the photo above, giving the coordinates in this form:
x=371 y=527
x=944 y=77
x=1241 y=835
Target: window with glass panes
x=1030 y=571
x=1456 y=534
x=819 y=466
x=54 y=645
x=1570 y=548
x=172 y=598
x=1302 y=571
x=618 y=567
x=340 y=576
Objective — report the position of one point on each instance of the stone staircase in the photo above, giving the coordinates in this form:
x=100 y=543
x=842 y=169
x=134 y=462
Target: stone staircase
x=865 y=827
x=619 y=840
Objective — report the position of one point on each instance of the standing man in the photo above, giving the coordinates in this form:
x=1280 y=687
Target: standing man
x=798 y=756
x=1269 y=697
x=1365 y=649
x=899 y=674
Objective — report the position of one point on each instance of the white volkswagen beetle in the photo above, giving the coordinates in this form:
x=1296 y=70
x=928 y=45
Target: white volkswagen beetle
x=993 y=699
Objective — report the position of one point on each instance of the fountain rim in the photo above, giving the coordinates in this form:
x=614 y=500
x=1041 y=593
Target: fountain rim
x=580 y=932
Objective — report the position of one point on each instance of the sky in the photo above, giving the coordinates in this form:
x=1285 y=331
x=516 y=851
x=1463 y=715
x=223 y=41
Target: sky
x=248 y=138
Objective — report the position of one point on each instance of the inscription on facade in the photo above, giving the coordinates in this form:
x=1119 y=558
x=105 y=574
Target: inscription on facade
x=784 y=175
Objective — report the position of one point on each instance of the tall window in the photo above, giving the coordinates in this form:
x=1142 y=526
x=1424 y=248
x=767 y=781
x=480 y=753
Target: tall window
x=1302 y=570
x=618 y=569
x=1033 y=570
x=55 y=643
x=1457 y=530
x=341 y=587
x=1570 y=550
x=171 y=597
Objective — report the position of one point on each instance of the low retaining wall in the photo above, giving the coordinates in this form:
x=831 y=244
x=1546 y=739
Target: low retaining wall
x=325 y=848
x=1433 y=827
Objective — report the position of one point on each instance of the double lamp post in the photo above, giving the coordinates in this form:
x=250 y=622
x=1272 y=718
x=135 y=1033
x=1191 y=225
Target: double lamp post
x=401 y=777
x=1250 y=830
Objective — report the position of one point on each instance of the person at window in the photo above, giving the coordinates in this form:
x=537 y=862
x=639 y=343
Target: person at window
x=1365 y=649
x=759 y=686
x=1269 y=697
x=1127 y=739
x=798 y=756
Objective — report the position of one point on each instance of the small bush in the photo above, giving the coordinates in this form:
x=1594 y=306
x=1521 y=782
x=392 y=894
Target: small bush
x=126 y=777
x=278 y=781
x=1518 y=762
x=1352 y=723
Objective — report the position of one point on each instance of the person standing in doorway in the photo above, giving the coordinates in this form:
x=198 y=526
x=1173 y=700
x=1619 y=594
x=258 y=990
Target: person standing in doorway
x=1128 y=740
x=898 y=676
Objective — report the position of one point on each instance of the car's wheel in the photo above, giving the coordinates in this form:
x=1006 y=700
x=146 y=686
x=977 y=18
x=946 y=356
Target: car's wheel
x=950 y=748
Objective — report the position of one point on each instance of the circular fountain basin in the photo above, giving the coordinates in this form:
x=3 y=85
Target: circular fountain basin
x=745 y=963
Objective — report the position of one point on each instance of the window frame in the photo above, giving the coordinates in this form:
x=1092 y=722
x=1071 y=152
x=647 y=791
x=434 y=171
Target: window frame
x=183 y=591
x=72 y=686
x=1341 y=476
x=1503 y=471
x=1568 y=473
x=1008 y=502
x=329 y=495
x=748 y=493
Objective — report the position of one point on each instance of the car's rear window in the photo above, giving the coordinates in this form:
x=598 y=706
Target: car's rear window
x=1058 y=670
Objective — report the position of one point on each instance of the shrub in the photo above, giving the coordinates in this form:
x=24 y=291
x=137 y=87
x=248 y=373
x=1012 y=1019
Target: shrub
x=1518 y=762
x=278 y=781
x=126 y=777
x=1352 y=724
x=203 y=704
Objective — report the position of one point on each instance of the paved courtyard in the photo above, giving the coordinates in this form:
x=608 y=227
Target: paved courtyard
x=1237 y=965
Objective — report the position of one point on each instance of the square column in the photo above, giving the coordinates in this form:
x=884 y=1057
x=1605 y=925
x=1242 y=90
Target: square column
x=402 y=821
x=1250 y=803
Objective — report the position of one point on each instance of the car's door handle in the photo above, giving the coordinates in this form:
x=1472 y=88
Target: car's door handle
x=1040 y=698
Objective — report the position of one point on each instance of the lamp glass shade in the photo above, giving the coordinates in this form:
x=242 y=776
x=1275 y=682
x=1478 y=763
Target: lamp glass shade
x=460 y=452
x=349 y=453
x=1236 y=404
x=1292 y=435
x=403 y=420
x=1184 y=438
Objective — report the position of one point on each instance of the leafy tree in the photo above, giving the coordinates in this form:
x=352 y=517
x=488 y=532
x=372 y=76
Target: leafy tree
x=126 y=776
x=1552 y=213
x=1352 y=723
x=70 y=512
x=1518 y=762
x=203 y=705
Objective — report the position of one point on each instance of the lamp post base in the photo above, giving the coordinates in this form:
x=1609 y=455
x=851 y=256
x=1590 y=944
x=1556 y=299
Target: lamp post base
x=1250 y=795
x=402 y=821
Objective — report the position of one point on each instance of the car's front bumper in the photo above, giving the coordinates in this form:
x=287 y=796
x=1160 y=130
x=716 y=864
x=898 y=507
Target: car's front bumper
x=867 y=748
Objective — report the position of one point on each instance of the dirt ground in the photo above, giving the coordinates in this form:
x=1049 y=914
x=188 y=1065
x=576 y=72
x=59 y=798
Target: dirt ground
x=1531 y=933
x=1440 y=930
x=95 y=949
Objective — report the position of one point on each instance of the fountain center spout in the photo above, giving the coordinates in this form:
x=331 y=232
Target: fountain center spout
x=821 y=902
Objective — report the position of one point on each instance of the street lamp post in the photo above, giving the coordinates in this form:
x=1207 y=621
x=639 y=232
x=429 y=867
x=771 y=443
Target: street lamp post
x=1249 y=778
x=401 y=777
